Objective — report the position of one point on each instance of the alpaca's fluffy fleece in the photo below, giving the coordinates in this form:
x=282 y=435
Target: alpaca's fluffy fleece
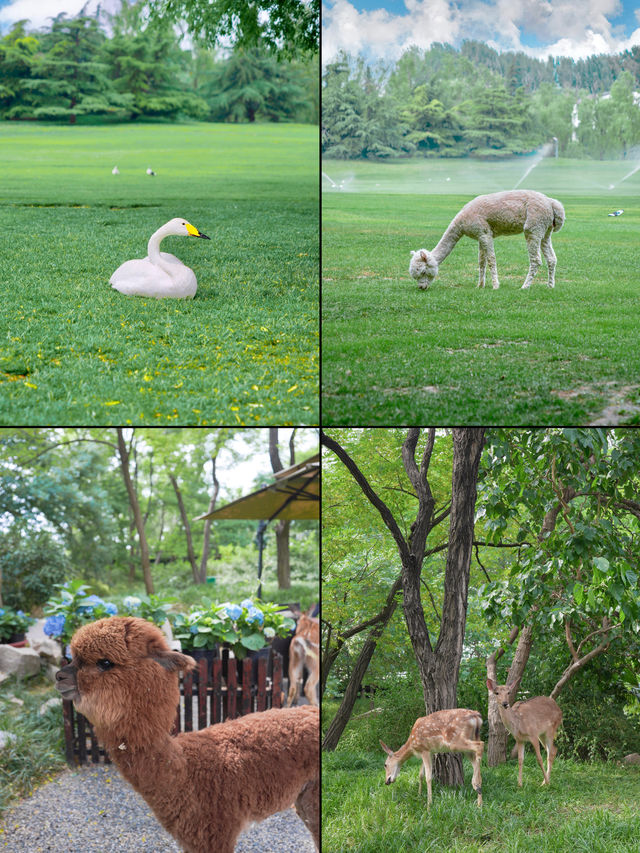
x=204 y=787
x=512 y=212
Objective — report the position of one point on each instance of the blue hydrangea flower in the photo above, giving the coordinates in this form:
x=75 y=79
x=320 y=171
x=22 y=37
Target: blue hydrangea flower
x=20 y=613
x=131 y=602
x=1 y=611
x=89 y=603
x=233 y=611
x=193 y=629
x=255 y=615
x=111 y=609
x=246 y=603
x=54 y=625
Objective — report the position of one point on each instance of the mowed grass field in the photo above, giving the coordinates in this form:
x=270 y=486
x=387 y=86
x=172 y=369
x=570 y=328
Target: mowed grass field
x=243 y=351
x=587 y=808
x=457 y=354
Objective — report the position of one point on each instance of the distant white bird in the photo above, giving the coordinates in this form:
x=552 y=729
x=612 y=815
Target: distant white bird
x=151 y=172
x=115 y=171
x=616 y=213
x=159 y=274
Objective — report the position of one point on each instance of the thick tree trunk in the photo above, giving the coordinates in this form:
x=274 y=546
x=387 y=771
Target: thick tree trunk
x=187 y=531
x=137 y=514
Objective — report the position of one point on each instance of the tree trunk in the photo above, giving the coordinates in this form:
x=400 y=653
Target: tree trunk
x=159 y=548
x=206 y=537
x=282 y=527
x=187 y=531
x=337 y=726
x=135 y=508
x=284 y=565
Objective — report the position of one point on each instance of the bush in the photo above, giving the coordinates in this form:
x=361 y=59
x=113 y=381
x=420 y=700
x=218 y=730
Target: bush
x=30 y=566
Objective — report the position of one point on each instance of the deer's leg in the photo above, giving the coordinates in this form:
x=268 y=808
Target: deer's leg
x=296 y=662
x=533 y=247
x=426 y=763
x=476 y=781
x=520 y=745
x=547 y=738
x=485 y=242
x=536 y=746
x=310 y=686
x=550 y=258
x=420 y=777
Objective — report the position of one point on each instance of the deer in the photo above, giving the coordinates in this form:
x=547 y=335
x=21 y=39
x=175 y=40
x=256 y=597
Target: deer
x=455 y=730
x=536 y=720
x=304 y=651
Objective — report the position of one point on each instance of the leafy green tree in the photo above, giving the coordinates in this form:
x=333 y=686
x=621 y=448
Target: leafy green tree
x=67 y=79
x=18 y=51
x=286 y=26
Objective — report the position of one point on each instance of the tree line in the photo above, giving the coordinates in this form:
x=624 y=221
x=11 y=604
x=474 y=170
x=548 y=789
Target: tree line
x=124 y=67
x=475 y=101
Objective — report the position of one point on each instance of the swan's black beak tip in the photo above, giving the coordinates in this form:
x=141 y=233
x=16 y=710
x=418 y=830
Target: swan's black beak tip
x=204 y=236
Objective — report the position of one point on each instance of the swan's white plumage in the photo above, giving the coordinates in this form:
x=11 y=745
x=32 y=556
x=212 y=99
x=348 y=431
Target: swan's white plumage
x=160 y=274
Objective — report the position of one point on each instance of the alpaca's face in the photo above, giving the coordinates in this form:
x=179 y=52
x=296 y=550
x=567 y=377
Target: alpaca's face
x=118 y=665
x=423 y=267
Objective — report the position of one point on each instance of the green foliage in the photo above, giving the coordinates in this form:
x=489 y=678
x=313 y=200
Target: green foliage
x=30 y=565
x=288 y=26
x=13 y=623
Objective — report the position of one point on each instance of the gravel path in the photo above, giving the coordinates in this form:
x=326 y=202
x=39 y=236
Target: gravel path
x=93 y=810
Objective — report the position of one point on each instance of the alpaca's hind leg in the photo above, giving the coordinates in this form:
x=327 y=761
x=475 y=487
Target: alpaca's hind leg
x=308 y=807
x=485 y=243
x=550 y=258
x=482 y=263
x=533 y=247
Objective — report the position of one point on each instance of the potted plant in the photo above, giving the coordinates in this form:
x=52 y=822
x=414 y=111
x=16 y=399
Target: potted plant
x=13 y=626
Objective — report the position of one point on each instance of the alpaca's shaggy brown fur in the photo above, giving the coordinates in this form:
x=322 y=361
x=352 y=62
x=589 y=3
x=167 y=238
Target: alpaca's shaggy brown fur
x=205 y=786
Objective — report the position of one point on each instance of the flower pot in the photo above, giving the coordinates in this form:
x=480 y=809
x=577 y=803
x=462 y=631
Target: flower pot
x=17 y=640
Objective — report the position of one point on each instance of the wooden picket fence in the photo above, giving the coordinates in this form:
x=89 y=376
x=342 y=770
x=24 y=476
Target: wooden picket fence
x=220 y=688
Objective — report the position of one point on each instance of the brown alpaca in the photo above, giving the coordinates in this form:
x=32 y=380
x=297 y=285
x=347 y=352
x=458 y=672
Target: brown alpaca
x=304 y=652
x=204 y=787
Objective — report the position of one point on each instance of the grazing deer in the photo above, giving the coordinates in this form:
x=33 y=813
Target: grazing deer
x=457 y=730
x=536 y=720
x=304 y=651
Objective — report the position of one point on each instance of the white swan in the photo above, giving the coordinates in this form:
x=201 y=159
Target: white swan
x=159 y=274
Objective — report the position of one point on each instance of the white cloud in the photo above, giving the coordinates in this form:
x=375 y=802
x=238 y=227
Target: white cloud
x=559 y=25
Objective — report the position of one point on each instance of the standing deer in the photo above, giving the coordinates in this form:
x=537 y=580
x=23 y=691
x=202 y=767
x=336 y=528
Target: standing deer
x=536 y=720
x=456 y=730
x=304 y=651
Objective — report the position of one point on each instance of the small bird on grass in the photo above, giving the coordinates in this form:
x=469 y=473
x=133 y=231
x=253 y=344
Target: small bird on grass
x=151 y=172
x=616 y=213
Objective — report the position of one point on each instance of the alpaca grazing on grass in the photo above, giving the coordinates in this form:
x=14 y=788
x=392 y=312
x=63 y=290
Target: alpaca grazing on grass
x=204 y=787
x=497 y=215
x=304 y=653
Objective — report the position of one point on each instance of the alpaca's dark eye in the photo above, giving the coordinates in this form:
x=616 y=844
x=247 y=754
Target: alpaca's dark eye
x=105 y=664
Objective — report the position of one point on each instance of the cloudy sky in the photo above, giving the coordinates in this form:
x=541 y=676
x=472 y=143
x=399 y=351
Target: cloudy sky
x=385 y=28
x=39 y=12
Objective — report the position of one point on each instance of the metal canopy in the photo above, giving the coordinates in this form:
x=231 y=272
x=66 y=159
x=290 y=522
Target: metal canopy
x=295 y=494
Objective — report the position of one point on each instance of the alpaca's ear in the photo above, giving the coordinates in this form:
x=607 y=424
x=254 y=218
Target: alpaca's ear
x=424 y=255
x=172 y=661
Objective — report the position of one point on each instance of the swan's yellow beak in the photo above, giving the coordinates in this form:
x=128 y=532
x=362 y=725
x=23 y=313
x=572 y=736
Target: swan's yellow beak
x=193 y=231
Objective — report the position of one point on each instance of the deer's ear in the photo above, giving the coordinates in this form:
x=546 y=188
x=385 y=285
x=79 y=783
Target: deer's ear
x=386 y=748
x=491 y=684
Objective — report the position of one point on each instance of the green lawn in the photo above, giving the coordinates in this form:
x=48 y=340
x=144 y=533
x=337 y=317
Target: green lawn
x=73 y=350
x=588 y=808
x=455 y=354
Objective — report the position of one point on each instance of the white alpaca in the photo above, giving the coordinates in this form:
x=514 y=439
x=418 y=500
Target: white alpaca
x=496 y=215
